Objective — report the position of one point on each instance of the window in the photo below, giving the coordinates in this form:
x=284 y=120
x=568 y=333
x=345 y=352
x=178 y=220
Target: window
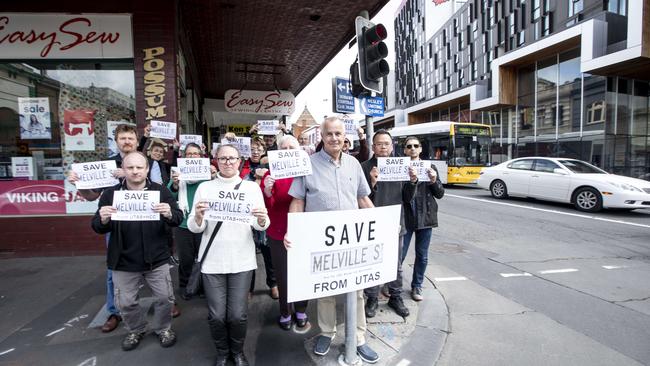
x=535 y=9
x=575 y=7
x=546 y=166
x=596 y=112
x=616 y=6
x=524 y=164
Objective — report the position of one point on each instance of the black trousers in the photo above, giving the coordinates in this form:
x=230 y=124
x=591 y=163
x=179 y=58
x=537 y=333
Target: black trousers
x=187 y=247
x=268 y=268
x=279 y=254
x=227 y=296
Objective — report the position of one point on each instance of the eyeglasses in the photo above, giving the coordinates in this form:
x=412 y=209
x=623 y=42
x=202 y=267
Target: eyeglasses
x=227 y=159
x=414 y=146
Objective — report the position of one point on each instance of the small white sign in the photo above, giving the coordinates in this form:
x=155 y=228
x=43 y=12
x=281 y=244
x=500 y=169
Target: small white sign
x=231 y=206
x=351 y=127
x=186 y=139
x=243 y=144
x=393 y=169
x=289 y=163
x=163 y=130
x=268 y=127
x=96 y=174
x=421 y=167
x=22 y=166
x=336 y=252
x=194 y=169
x=135 y=205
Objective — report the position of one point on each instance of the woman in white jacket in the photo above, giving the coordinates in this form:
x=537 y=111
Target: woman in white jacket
x=231 y=260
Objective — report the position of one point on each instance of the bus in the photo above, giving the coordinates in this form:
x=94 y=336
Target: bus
x=459 y=150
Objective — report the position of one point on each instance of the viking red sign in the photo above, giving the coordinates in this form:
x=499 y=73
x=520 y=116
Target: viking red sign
x=65 y=36
x=32 y=197
x=260 y=102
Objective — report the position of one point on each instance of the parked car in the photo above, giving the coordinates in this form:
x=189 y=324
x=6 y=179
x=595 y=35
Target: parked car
x=573 y=181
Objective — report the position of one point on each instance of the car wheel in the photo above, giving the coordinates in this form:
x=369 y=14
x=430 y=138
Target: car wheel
x=587 y=199
x=498 y=189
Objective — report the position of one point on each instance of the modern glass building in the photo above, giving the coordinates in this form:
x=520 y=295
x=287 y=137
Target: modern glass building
x=553 y=78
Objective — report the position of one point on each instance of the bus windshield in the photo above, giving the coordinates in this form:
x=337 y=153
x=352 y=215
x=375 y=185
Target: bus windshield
x=470 y=150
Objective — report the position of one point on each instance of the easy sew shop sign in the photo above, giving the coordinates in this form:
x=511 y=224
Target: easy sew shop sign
x=135 y=205
x=335 y=252
x=268 y=127
x=32 y=197
x=289 y=163
x=194 y=169
x=242 y=144
x=393 y=169
x=259 y=102
x=96 y=174
x=230 y=206
x=163 y=130
x=65 y=36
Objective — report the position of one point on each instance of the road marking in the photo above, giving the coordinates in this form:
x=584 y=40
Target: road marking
x=89 y=362
x=7 y=351
x=403 y=362
x=564 y=270
x=443 y=279
x=506 y=275
x=55 y=332
x=549 y=211
x=614 y=267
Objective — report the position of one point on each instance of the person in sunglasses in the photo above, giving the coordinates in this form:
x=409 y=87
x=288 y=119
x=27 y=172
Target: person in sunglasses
x=420 y=216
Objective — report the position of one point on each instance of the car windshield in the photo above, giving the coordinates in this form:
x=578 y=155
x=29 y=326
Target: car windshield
x=580 y=167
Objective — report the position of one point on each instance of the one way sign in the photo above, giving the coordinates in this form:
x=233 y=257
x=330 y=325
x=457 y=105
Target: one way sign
x=343 y=101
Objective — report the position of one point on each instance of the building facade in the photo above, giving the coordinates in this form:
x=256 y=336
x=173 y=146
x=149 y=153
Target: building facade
x=553 y=78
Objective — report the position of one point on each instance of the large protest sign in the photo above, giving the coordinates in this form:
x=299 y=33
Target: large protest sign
x=194 y=169
x=163 y=130
x=336 y=252
x=135 y=205
x=421 y=167
x=96 y=174
x=34 y=116
x=230 y=206
x=243 y=144
x=186 y=139
x=289 y=163
x=268 y=127
x=393 y=169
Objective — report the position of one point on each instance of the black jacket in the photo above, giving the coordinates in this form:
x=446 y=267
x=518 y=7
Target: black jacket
x=389 y=193
x=136 y=246
x=422 y=211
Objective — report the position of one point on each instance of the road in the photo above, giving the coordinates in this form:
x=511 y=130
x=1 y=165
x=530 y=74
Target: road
x=536 y=283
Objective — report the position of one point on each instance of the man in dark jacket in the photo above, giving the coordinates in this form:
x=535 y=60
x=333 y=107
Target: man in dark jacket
x=386 y=194
x=421 y=215
x=138 y=250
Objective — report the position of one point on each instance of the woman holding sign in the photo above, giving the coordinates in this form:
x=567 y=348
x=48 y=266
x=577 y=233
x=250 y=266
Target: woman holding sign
x=277 y=199
x=228 y=207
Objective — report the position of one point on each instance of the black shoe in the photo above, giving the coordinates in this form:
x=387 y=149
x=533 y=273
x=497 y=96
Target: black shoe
x=301 y=323
x=397 y=304
x=167 y=338
x=284 y=325
x=322 y=345
x=371 y=307
x=367 y=354
x=240 y=359
x=131 y=341
x=221 y=361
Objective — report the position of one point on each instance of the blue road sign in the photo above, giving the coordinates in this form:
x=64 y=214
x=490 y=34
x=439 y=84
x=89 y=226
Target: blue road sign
x=372 y=106
x=343 y=101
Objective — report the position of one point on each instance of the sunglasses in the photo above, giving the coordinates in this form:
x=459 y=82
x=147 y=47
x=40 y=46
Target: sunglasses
x=414 y=146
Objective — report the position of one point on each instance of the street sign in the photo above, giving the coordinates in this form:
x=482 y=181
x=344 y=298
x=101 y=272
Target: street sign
x=372 y=106
x=343 y=101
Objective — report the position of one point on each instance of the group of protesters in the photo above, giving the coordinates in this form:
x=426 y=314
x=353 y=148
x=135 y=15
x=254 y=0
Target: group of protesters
x=341 y=179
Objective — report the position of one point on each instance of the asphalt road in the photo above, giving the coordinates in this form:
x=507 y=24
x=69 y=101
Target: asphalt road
x=536 y=283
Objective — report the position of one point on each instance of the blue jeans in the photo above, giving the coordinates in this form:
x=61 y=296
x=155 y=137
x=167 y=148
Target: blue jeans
x=110 y=292
x=422 y=241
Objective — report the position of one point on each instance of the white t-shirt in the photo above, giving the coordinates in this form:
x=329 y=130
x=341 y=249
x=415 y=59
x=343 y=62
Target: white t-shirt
x=233 y=249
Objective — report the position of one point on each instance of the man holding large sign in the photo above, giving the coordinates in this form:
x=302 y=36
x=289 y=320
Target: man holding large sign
x=138 y=250
x=386 y=193
x=337 y=183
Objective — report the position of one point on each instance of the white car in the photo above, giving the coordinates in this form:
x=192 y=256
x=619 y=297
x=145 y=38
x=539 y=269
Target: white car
x=573 y=181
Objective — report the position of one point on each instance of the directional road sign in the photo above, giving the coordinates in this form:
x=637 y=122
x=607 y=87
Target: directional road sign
x=343 y=101
x=372 y=106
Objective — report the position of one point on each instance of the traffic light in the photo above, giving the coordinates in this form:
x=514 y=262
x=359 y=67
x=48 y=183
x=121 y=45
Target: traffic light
x=372 y=53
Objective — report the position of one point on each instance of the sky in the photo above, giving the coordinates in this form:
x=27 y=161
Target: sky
x=317 y=96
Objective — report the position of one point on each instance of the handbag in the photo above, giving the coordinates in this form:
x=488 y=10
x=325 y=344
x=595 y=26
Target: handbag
x=194 y=283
